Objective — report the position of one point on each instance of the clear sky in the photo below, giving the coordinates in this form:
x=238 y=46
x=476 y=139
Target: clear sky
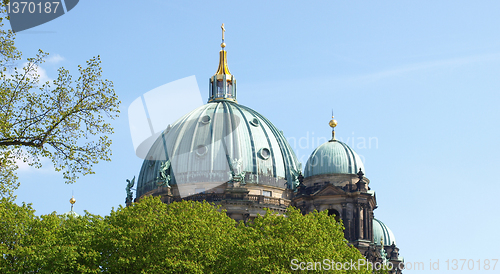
x=419 y=79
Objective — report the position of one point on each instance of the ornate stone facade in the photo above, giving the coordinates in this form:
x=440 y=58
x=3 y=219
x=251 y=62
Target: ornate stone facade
x=348 y=197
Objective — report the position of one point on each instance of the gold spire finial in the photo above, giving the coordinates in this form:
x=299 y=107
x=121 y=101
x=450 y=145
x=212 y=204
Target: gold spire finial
x=223 y=45
x=223 y=69
x=72 y=201
x=333 y=124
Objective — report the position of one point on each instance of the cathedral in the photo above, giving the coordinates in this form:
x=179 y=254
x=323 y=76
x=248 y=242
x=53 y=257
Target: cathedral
x=229 y=154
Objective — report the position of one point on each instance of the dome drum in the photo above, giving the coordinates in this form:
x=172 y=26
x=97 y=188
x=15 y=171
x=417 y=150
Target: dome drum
x=338 y=179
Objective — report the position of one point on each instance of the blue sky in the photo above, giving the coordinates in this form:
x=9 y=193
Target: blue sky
x=418 y=78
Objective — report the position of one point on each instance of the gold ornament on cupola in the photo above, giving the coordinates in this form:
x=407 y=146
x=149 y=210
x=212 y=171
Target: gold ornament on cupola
x=333 y=124
x=222 y=83
x=72 y=201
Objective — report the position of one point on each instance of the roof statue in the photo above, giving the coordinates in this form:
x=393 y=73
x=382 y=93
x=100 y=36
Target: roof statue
x=383 y=253
x=296 y=175
x=130 y=185
x=237 y=174
x=164 y=174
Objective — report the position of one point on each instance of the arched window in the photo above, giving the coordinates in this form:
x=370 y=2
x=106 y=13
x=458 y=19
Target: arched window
x=332 y=211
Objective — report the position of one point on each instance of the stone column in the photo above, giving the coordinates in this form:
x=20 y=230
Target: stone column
x=365 y=223
x=347 y=224
x=359 y=225
x=371 y=224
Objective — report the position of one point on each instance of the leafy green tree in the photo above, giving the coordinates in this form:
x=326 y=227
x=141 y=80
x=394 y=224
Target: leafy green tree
x=271 y=242
x=48 y=243
x=153 y=237
x=64 y=120
x=15 y=224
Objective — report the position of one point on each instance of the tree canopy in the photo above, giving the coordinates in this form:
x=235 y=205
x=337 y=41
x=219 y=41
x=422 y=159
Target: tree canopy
x=64 y=120
x=153 y=237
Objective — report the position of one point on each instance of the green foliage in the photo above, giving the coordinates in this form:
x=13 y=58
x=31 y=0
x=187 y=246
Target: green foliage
x=48 y=243
x=8 y=177
x=270 y=242
x=152 y=237
x=64 y=120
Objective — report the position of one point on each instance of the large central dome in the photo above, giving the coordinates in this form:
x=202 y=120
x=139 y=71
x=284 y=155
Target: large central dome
x=217 y=143
x=216 y=140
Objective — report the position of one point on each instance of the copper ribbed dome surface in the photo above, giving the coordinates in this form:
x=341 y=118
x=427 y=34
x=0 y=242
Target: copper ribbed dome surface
x=216 y=140
x=382 y=232
x=333 y=157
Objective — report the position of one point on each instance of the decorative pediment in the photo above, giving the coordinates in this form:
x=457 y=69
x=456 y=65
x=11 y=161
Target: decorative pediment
x=329 y=190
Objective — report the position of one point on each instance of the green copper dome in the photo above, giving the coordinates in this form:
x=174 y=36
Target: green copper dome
x=333 y=157
x=215 y=142
x=381 y=231
x=70 y=213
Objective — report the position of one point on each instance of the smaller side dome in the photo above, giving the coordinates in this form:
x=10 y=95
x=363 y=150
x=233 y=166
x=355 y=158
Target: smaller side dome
x=333 y=157
x=70 y=213
x=381 y=231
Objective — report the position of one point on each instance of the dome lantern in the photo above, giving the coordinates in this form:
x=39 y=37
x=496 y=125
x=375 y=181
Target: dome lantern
x=222 y=85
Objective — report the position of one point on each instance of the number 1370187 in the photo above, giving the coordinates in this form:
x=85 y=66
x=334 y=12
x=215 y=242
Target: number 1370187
x=464 y=264
x=32 y=7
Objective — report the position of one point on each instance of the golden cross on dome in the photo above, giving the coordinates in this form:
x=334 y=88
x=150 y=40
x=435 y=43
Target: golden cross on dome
x=223 y=30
